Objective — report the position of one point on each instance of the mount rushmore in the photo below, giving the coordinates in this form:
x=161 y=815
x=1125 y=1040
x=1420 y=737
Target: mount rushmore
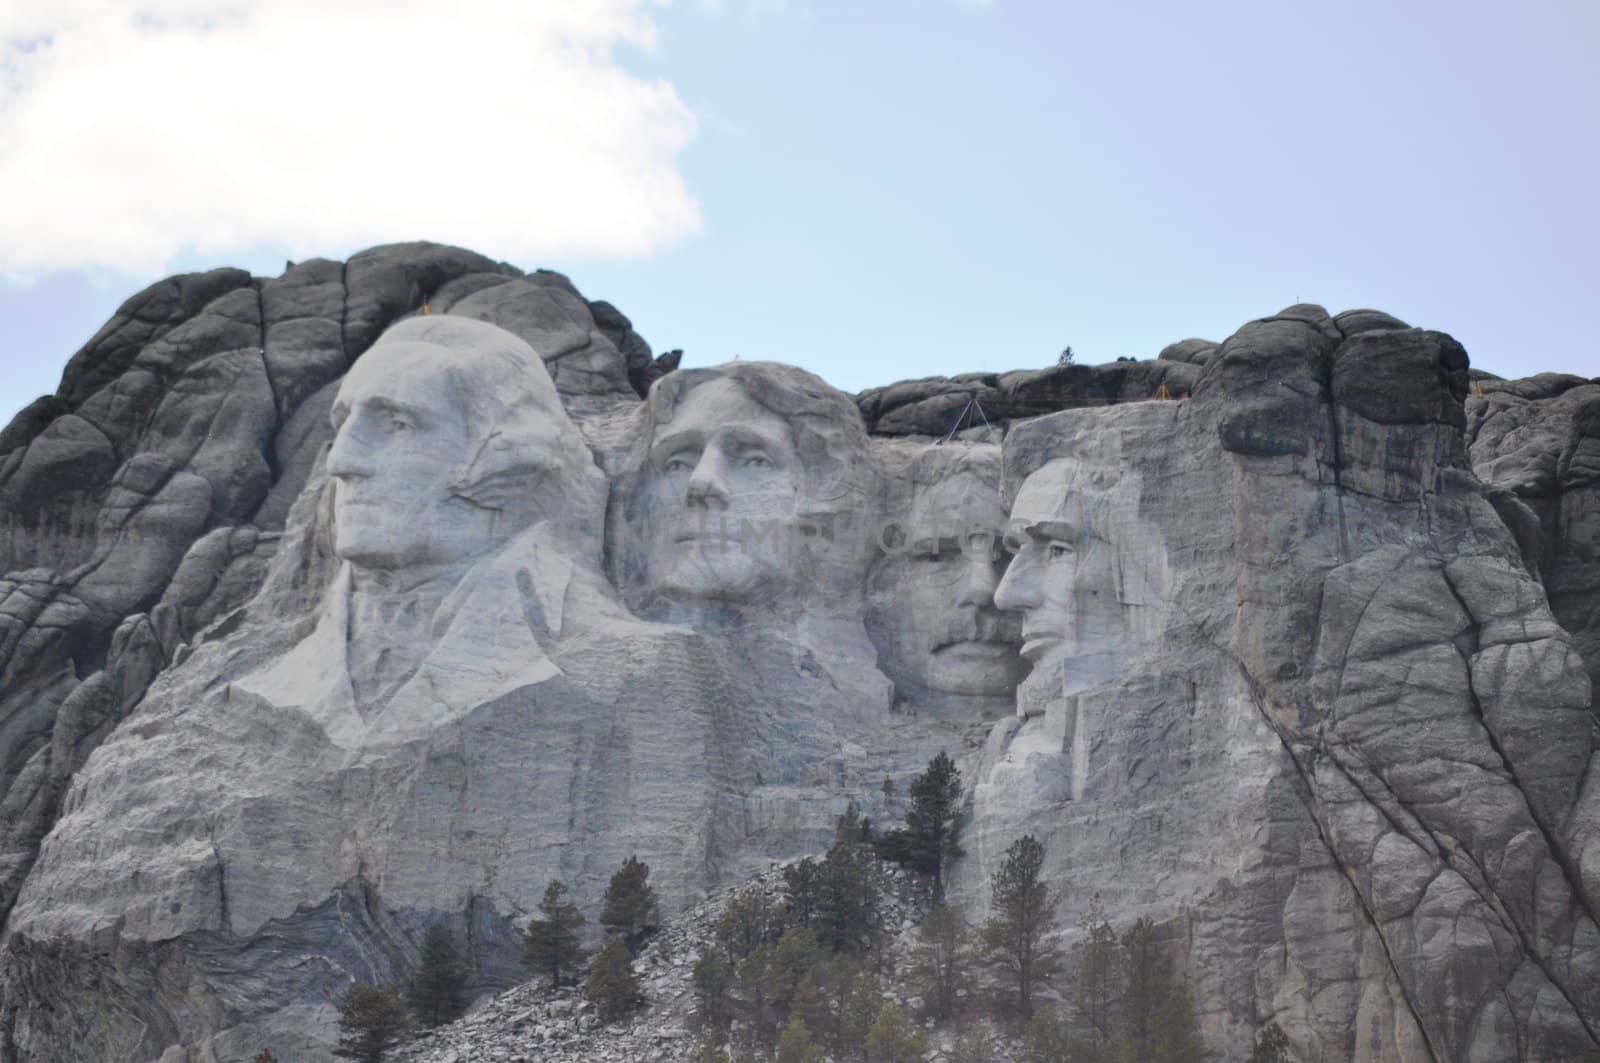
x=380 y=593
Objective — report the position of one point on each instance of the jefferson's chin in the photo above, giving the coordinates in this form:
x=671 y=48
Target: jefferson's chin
x=697 y=577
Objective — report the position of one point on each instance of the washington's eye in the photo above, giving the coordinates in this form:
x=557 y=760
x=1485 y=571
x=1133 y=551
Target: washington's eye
x=399 y=424
x=756 y=461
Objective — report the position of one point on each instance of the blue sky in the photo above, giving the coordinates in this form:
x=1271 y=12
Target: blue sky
x=875 y=190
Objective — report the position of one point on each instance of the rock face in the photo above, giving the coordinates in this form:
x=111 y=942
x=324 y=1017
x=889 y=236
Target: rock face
x=384 y=592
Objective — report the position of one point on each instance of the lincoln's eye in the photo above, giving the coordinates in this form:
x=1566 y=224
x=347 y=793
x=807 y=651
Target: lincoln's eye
x=1059 y=550
x=680 y=462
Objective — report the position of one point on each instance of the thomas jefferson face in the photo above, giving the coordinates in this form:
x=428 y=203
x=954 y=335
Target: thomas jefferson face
x=724 y=488
x=402 y=439
x=1063 y=577
x=940 y=626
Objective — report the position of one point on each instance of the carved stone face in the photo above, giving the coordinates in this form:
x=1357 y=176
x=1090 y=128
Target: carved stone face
x=403 y=437
x=937 y=620
x=1063 y=576
x=724 y=486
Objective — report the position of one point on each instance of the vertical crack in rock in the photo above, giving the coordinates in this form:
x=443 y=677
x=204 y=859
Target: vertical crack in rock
x=1306 y=790
x=1570 y=874
x=1336 y=445
x=222 y=887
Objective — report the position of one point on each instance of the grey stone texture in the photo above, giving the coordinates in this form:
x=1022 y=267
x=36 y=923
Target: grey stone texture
x=1289 y=646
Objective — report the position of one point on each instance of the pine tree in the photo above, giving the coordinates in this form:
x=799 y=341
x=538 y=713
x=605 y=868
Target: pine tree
x=793 y=959
x=1024 y=915
x=975 y=1045
x=752 y=981
x=708 y=1052
x=838 y=897
x=371 y=1020
x=929 y=838
x=612 y=984
x=859 y=1006
x=1147 y=982
x=1272 y=1045
x=940 y=958
x=893 y=1039
x=551 y=944
x=629 y=906
x=795 y=1044
x=437 y=993
x=713 y=986
x=852 y=828
x=1177 y=1033
x=1098 y=979
x=810 y=1005
x=745 y=924
x=1046 y=1039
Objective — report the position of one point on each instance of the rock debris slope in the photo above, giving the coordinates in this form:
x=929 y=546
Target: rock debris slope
x=1308 y=622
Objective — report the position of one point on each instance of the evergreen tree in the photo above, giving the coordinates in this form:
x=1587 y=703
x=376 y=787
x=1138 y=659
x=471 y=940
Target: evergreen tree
x=792 y=961
x=612 y=984
x=713 y=988
x=1047 y=1039
x=629 y=906
x=1271 y=1046
x=1097 y=988
x=752 y=981
x=1177 y=1033
x=1024 y=915
x=708 y=1052
x=745 y=924
x=809 y=1004
x=551 y=944
x=1146 y=984
x=795 y=1044
x=838 y=897
x=929 y=838
x=940 y=958
x=893 y=1039
x=858 y=1010
x=371 y=1020
x=975 y=1045
x=437 y=993
x=852 y=828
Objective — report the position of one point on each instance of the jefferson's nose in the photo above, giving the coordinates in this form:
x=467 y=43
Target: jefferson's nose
x=708 y=484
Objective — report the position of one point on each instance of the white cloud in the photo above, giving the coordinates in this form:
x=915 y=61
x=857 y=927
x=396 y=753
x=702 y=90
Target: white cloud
x=133 y=131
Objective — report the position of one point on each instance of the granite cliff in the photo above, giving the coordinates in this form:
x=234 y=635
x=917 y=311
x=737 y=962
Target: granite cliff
x=382 y=592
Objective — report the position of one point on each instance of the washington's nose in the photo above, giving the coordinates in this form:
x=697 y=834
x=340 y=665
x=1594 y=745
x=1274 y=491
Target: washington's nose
x=1019 y=588
x=345 y=460
x=708 y=484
